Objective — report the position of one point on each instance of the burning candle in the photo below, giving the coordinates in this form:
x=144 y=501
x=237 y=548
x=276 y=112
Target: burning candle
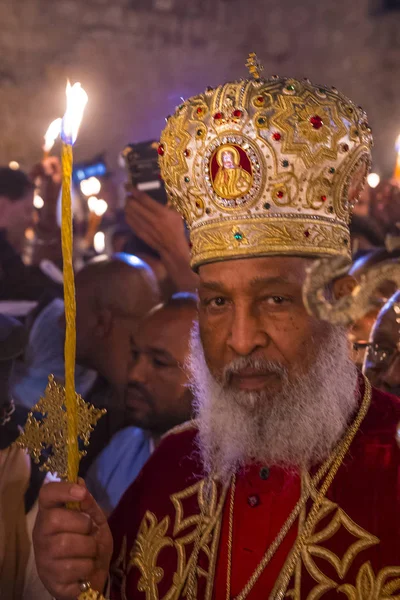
x=97 y=208
x=52 y=133
x=396 y=174
x=91 y=186
x=76 y=102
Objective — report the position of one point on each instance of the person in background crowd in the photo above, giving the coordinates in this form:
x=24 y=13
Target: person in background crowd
x=162 y=229
x=157 y=398
x=382 y=359
x=360 y=331
x=112 y=296
x=46 y=244
x=20 y=482
x=365 y=235
x=362 y=206
x=19 y=281
x=385 y=207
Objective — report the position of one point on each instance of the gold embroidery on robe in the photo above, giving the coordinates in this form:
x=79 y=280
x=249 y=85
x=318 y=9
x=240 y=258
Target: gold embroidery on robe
x=384 y=586
x=152 y=538
x=360 y=541
x=150 y=541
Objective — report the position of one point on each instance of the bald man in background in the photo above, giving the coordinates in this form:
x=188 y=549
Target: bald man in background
x=157 y=397
x=112 y=296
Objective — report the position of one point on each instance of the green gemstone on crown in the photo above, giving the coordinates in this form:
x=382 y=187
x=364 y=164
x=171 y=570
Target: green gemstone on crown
x=238 y=236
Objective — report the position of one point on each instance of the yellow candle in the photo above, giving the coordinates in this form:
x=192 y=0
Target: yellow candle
x=76 y=101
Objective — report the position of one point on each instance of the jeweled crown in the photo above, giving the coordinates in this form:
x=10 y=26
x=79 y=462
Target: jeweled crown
x=266 y=167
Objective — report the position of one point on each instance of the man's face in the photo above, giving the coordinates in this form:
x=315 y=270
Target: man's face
x=17 y=217
x=253 y=308
x=359 y=336
x=107 y=331
x=382 y=361
x=227 y=160
x=361 y=207
x=156 y=396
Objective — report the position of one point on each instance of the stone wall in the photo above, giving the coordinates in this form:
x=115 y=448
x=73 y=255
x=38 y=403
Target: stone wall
x=136 y=58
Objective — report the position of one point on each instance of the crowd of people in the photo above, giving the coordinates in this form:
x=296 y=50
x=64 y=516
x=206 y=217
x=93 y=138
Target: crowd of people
x=139 y=356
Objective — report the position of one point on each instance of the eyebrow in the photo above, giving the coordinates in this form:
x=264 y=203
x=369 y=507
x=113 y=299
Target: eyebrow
x=154 y=350
x=255 y=282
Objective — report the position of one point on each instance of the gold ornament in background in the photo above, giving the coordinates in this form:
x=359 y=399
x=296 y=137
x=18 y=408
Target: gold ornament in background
x=278 y=162
x=317 y=296
x=392 y=242
x=50 y=432
x=254 y=66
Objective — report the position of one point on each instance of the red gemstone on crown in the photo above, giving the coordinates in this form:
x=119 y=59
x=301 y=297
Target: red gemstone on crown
x=280 y=194
x=323 y=198
x=187 y=152
x=306 y=233
x=316 y=122
x=277 y=137
x=237 y=113
x=199 y=111
x=260 y=99
x=218 y=116
x=161 y=150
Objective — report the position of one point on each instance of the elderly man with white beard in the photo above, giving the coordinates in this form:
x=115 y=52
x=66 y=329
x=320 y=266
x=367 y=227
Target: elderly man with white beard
x=287 y=483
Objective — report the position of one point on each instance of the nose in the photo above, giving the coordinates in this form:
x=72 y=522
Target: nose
x=391 y=377
x=246 y=332
x=138 y=370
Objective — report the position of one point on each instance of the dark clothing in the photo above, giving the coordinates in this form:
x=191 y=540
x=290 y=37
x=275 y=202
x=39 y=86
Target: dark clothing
x=101 y=396
x=19 y=281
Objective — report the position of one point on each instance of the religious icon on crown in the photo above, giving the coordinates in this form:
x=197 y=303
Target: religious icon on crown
x=231 y=172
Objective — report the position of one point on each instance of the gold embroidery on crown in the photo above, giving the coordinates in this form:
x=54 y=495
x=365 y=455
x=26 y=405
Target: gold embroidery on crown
x=264 y=150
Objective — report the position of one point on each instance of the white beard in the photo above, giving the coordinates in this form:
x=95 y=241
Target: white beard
x=296 y=427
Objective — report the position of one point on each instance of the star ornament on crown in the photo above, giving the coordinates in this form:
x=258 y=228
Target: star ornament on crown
x=271 y=166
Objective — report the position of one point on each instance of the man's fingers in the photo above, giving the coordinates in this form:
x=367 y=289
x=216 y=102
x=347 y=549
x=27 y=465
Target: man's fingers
x=90 y=507
x=73 y=546
x=146 y=234
x=73 y=571
x=147 y=202
x=56 y=495
x=137 y=208
x=58 y=519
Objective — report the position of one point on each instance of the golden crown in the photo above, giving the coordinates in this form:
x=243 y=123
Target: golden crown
x=266 y=166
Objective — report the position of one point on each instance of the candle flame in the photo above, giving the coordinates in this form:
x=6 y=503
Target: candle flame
x=76 y=101
x=99 y=242
x=38 y=201
x=91 y=186
x=98 y=206
x=373 y=180
x=52 y=134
